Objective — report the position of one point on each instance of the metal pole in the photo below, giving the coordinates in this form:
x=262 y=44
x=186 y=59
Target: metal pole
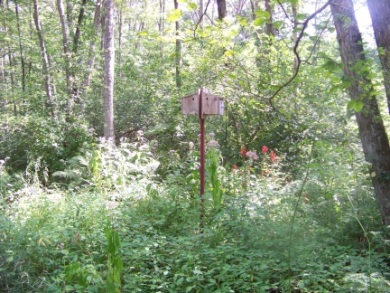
x=202 y=145
x=202 y=158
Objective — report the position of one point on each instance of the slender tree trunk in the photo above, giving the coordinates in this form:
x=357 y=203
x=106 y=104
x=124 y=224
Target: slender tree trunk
x=380 y=15
x=161 y=24
x=22 y=61
x=45 y=60
x=69 y=12
x=11 y=65
x=269 y=27
x=78 y=28
x=371 y=130
x=221 y=9
x=253 y=9
x=200 y=12
x=109 y=63
x=120 y=44
x=161 y=17
x=295 y=31
x=3 y=87
x=96 y=24
x=11 y=74
x=67 y=54
x=177 y=49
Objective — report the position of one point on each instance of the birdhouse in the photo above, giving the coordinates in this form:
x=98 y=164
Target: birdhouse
x=190 y=104
x=210 y=104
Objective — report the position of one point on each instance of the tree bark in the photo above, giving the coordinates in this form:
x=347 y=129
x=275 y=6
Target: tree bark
x=380 y=15
x=200 y=12
x=67 y=54
x=45 y=60
x=177 y=49
x=269 y=28
x=78 y=28
x=371 y=129
x=294 y=7
x=22 y=62
x=96 y=24
x=221 y=9
x=109 y=63
x=120 y=18
x=161 y=21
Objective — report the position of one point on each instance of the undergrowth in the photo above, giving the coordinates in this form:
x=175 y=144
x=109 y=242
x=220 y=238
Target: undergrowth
x=261 y=232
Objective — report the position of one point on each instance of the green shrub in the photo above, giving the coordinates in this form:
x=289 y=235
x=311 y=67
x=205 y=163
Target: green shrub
x=25 y=139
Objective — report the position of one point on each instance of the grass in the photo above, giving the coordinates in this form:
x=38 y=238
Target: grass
x=55 y=241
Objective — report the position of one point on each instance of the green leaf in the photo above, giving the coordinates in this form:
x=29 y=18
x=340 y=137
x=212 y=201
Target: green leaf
x=259 y=21
x=262 y=14
x=278 y=24
x=262 y=17
x=242 y=20
x=174 y=15
x=301 y=16
x=192 y=5
x=355 y=105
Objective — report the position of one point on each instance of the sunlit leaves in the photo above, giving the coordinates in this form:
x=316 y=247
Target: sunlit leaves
x=174 y=15
x=262 y=16
x=355 y=105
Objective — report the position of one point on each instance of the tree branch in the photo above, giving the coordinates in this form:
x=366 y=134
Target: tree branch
x=201 y=18
x=298 y=58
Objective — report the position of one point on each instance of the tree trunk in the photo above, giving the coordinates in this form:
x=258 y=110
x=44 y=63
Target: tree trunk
x=200 y=12
x=119 y=65
x=78 y=28
x=161 y=17
x=177 y=50
x=380 y=15
x=22 y=62
x=295 y=30
x=67 y=54
x=371 y=130
x=109 y=63
x=221 y=9
x=161 y=25
x=96 y=24
x=269 y=28
x=45 y=60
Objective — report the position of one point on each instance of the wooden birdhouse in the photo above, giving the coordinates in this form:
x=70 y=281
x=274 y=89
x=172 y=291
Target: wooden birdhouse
x=212 y=104
x=209 y=103
x=190 y=104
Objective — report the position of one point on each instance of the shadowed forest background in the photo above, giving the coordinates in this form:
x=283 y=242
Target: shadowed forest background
x=99 y=168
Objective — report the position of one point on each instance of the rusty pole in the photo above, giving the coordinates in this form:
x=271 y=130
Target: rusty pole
x=202 y=158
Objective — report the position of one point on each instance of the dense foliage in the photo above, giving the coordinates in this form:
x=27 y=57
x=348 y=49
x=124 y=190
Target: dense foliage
x=288 y=203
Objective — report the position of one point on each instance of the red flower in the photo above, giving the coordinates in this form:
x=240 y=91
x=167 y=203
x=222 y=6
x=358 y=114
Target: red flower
x=264 y=149
x=272 y=156
x=243 y=152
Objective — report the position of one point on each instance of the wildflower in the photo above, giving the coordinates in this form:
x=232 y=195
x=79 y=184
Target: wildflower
x=213 y=144
x=252 y=155
x=212 y=135
x=234 y=168
x=243 y=152
x=264 y=149
x=272 y=156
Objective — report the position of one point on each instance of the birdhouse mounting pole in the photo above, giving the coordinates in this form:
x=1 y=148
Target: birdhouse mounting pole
x=202 y=155
x=202 y=104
